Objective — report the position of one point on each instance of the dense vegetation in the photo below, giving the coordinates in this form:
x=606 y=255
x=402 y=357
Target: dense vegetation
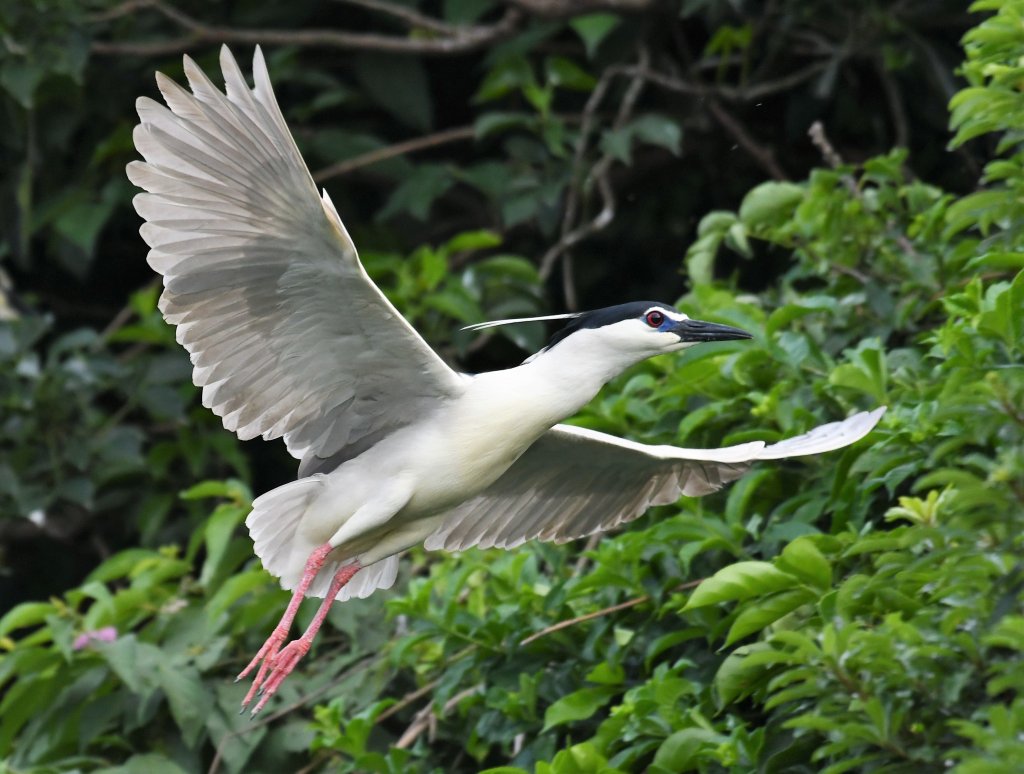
x=863 y=611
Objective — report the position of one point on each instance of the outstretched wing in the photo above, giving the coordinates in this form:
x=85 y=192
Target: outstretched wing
x=573 y=482
x=288 y=335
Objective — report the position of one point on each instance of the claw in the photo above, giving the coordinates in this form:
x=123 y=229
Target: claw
x=282 y=666
x=264 y=658
x=276 y=663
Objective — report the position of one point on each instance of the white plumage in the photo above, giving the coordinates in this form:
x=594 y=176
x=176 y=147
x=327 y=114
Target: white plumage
x=289 y=338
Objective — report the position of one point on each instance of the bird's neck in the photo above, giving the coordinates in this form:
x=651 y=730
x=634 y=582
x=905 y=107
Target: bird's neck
x=565 y=378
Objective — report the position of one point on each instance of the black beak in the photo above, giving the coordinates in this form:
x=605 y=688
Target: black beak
x=698 y=330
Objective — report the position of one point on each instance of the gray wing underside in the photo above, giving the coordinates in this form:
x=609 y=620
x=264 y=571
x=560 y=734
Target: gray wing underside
x=574 y=482
x=287 y=334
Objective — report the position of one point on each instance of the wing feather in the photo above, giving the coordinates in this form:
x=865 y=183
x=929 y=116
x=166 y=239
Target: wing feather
x=573 y=482
x=288 y=335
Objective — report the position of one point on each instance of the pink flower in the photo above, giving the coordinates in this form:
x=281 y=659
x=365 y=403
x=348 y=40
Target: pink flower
x=85 y=639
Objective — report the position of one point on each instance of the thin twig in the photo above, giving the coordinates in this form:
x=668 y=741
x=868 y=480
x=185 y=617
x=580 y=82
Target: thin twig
x=762 y=155
x=641 y=73
x=729 y=93
x=547 y=263
x=411 y=17
x=116 y=12
x=817 y=134
x=406 y=700
x=369 y=158
x=831 y=156
x=561 y=9
x=426 y=718
x=893 y=98
x=584 y=557
x=602 y=612
x=458 y=40
x=598 y=174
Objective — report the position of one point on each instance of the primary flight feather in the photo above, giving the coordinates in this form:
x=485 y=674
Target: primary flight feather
x=289 y=338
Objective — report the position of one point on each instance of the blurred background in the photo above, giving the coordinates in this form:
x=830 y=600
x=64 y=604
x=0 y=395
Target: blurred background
x=794 y=167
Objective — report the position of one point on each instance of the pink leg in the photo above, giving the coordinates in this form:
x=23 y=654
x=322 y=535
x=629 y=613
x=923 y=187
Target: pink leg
x=280 y=634
x=282 y=664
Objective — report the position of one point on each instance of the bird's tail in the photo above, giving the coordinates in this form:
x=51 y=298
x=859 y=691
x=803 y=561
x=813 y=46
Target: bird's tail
x=283 y=550
x=274 y=528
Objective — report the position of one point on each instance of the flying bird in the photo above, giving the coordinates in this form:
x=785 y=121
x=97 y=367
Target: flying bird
x=289 y=338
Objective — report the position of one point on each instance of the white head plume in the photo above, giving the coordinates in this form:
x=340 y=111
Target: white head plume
x=512 y=320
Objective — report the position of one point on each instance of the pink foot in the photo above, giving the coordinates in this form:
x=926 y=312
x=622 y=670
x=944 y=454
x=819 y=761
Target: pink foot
x=270 y=648
x=282 y=664
x=280 y=667
x=265 y=659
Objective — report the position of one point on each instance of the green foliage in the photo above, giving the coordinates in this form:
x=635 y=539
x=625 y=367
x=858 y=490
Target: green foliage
x=67 y=459
x=859 y=611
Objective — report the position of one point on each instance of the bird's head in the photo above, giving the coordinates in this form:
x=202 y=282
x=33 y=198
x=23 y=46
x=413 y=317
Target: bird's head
x=627 y=333
x=633 y=332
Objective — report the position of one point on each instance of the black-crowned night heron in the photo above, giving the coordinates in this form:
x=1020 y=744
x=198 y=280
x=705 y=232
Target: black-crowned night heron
x=290 y=338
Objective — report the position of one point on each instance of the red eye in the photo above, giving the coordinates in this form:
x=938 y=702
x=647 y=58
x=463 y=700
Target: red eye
x=654 y=319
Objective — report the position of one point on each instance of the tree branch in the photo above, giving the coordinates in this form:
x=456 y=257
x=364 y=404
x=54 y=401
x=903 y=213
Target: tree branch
x=560 y=9
x=602 y=612
x=408 y=16
x=730 y=93
x=369 y=158
x=426 y=717
x=762 y=155
x=455 y=40
x=571 y=235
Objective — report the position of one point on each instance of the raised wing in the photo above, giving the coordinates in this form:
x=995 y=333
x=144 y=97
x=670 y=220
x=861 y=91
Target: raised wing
x=573 y=482
x=288 y=335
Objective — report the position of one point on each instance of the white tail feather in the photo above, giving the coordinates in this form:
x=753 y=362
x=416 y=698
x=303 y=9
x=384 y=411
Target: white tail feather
x=380 y=575
x=274 y=529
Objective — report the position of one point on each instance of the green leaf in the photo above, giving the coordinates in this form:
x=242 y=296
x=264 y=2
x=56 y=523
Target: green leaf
x=145 y=763
x=770 y=204
x=803 y=559
x=20 y=79
x=1004 y=308
x=656 y=129
x=997 y=259
x=746 y=669
x=25 y=614
x=190 y=701
x=235 y=587
x=81 y=224
x=220 y=528
x=510 y=73
x=399 y=84
x=680 y=751
x=136 y=663
x=228 y=489
x=567 y=74
x=594 y=28
x=740 y=581
x=866 y=372
x=578 y=705
x=760 y=613
x=472 y=240
x=417 y=193
x=497 y=122
x=121 y=565
x=606 y=674
x=652 y=129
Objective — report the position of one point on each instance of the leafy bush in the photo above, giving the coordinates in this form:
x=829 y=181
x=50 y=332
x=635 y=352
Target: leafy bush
x=860 y=611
